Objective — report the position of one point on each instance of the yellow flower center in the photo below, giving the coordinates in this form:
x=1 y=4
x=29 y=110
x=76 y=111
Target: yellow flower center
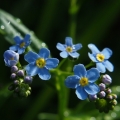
x=69 y=49
x=83 y=81
x=22 y=44
x=100 y=57
x=40 y=62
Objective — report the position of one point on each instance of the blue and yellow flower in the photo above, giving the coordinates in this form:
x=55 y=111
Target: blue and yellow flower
x=40 y=63
x=21 y=44
x=68 y=49
x=11 y=58
x=101 y=58
x=83 y=81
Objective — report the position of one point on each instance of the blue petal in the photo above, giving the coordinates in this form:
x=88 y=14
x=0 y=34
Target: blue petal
x=27 y=43
x=31 y=69
x=81 y=94
x=74 y=54
x=17 y=40
x=72 y=81
x=64 y=54
x=93 y=74
x=8 y=54
x=27 y=37
x=68 y=41
x=77 y=46
x=21 y=50
x=93 y=48
x=52 y=63
x=80 y=70
x=12 y=62
x=109 y=65
x=6 y=62
x=107 y=53
x=16 y=57
x=14 y=48
x=92 y=57
x=31 y=56
x=44 y=74
x=101 y=67
x=92 y=89
x=44 y=53
x=60 y=47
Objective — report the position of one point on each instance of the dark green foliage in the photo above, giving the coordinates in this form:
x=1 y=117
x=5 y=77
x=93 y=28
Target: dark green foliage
x=51 y=21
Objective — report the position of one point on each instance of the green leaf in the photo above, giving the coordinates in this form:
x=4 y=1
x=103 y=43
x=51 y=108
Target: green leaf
x=12 y=26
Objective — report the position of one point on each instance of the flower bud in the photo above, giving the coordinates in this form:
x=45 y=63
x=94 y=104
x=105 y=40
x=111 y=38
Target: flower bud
x=114 y=96
x=110 y=97
x=92 y=97
x=102 y=94
x=20 y=73
x=13 y=76
x=17 y=89
x=28 y=79
x=14 y=69
x=106 y=79
x=16 y=82
x=108 y=90
x=114 y=102
x=102 y=86
x=11 y=58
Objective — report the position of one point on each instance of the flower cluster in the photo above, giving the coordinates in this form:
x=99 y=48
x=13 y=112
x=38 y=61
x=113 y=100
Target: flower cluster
x=21 y=82
x=38 y=64
x=88 y=83
x=105 y=100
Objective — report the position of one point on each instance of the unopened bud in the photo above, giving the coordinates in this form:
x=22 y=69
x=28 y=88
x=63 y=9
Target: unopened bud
x=108 y=90
x=28 y=79
x=13 y=76
x=102 y=94
x=102 y=86
x=92 y=97
x=114 y=102
x=20 y=73
x=106 y=79
x=14 y=69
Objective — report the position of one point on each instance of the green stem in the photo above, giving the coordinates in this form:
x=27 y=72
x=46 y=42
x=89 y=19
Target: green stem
x=73 y=10
x=62 y=96
x=27 y=50
x=18 y=65
x=61 y=63
x=90 y=64
x=59 y=72
x=63 y=93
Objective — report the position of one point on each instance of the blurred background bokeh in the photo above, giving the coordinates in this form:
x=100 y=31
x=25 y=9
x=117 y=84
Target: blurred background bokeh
x=86 y=21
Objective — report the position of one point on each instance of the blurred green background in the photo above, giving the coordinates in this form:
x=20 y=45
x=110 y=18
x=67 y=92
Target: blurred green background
x=86 y=21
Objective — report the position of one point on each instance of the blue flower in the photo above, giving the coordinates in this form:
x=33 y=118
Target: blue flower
x=68 y=49
x=40 y=63
x=83 y=81
x=11 y=58
x=101 y=58
x=21 y=44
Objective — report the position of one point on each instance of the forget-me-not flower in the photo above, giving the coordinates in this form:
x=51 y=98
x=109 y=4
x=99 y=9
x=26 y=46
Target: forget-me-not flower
x=68 y=49
x=21 y=44
x=11 y=58
x=40 y=63
x=101 y=58
x=83 y=81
